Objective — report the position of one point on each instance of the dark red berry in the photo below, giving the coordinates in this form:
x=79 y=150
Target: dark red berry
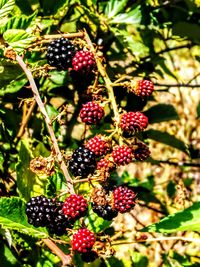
x=60 y=53
x=131 y=122
x=142 y=152
x=122 y=155
x=83 y=241
x=91 y=113
x=98 y=146
x=75 y=206
x=143 y=88
x=123 y=199
x=83 y=62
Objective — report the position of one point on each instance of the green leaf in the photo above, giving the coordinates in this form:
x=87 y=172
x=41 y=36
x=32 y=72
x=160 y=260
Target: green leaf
x=138 y=260
x=18 y=22
x=56 y=183
x=132 y=17
x=167 y=139
x=18 y=39
x=29 y=184
x=6 y=7
x=161 y=112
x=114 y=7
x=7 y=258
x=183 y=29
x=14 y=86
x=95 y=223
x=186 y=220
x=198 y=110
x=12 y=216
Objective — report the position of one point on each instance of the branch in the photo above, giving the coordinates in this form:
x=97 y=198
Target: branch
x=66 y=259
x=65 y=35
x=109 y=84
x=177 y=85
x=180 y=238
x=48 y=123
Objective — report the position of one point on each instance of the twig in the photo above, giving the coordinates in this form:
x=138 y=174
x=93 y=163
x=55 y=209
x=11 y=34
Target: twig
x=48 y=123
x=106 y=78
x=65 y=35
x=186 y=239
x=66 y=259
x=177 y=85
x=26 y=119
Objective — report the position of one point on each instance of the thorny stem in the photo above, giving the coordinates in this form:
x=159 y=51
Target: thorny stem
x=48 y=123
x=66 y=259
x=109 y=84
x=179 y=238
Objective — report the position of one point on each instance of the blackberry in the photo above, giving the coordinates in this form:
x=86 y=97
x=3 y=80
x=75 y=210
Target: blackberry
x=83 y=62
x=133 y=121
x=123 y=199
x=75 y=206
x=59 y=222
x=143 y=88
x=98 y=146
x=89 y=256
x=122 y=155
x=38 y=211
x=82 y=162
x=60 y=53
x=105 y=164
x=106 y=212
x=142 y=152
x=83 y=241
x=91 y=113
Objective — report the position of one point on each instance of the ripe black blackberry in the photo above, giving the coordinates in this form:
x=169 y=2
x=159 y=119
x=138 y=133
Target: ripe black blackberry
x=98 y=145
x=60 y=53
x=142 y=152
x=106 y=212
x=91 y=113
x=131 y=122
x=89 y=256
x=83 y=241
x=82 y=162
x=38 y=211
x=75 y=206
x=83 y=62
x=59 y=222
x=123 y=199
x=122 y=155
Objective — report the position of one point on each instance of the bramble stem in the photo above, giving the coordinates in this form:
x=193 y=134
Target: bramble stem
x=66 y=259
x=186 y=239
x=107 y=80
x=65 y=35
x=48 y=123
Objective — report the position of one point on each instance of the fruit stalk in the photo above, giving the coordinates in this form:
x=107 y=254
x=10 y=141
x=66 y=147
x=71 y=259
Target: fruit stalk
x=48 y=123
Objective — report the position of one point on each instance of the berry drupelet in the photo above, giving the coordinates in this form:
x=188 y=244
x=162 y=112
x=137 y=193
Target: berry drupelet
x=122 y=155
x=60 y=53
x=98 y=146
x=91 y=113
x=142 y=152
x=131 y=122
x=83 y=241
x=82 y=162
x=38 y=211
x=143 y=88
x=75 y=206
x=83 y=62
x=123 y=199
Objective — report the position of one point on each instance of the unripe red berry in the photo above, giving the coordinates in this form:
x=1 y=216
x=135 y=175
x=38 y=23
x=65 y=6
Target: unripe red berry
x=83 y=62
x=143 y=88
x=142 y=152
x=122 y=155
x=91 y=113
x=131 y=122
x=98 y=146
x=123 y=199
x=83 y=241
